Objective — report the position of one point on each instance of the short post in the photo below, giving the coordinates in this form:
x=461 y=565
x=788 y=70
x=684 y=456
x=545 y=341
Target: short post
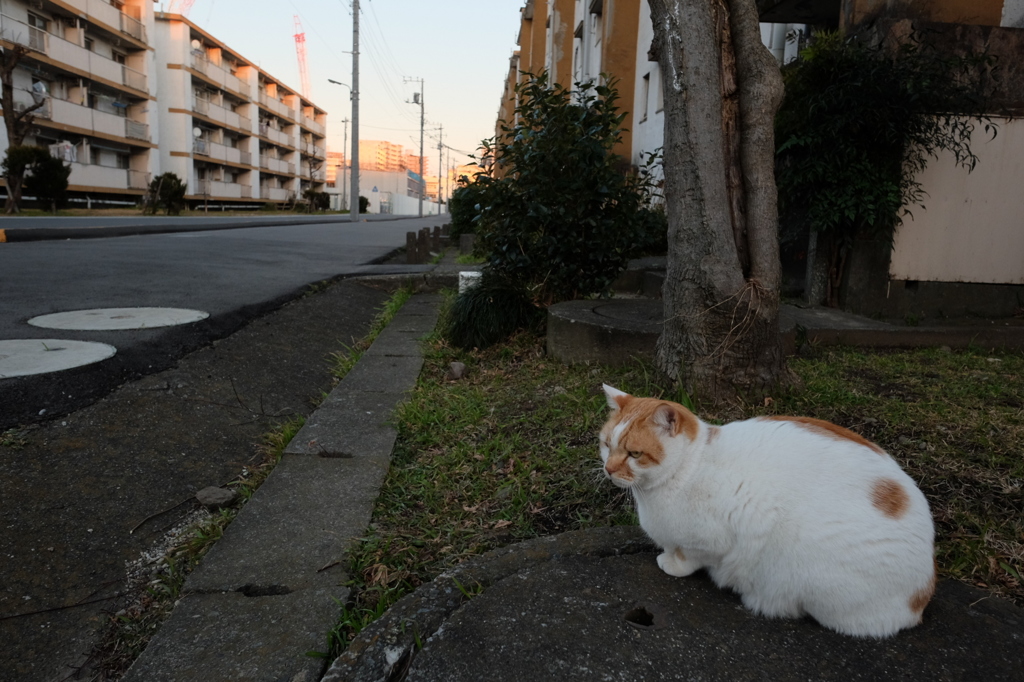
x=410 y=248
x=423 y=245
x=435 y=240
x=466 y=242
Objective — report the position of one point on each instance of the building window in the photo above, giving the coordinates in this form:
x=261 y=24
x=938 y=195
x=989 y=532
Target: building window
x=90 y=44
x=95 y=156
x=120 y=58
x=123 y=161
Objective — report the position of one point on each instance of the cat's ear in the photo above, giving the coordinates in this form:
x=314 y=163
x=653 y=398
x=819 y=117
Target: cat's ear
x=616 y=398
x=675 y=419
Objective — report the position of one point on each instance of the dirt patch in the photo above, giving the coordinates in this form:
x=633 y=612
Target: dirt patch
x=86 y=494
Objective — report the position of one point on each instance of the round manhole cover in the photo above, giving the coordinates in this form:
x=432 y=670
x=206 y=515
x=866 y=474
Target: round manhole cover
x=112 y=319
x=24 y=357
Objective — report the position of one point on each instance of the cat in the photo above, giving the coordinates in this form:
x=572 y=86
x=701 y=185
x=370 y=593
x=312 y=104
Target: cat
x=797 y=515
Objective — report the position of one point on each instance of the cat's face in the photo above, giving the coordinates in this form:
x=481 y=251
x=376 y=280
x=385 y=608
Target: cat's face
x=639 y=435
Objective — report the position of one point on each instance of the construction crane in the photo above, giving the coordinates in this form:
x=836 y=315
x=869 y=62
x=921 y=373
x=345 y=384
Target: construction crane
x=300 y=50
x=180 y=7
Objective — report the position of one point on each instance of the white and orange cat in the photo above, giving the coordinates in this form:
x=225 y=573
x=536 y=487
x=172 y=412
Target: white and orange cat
x=797 y=515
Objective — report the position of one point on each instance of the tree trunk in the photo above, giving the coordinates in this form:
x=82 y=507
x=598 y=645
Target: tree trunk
x=722 y=88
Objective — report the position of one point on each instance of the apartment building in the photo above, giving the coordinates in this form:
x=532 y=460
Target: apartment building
x=230 y=129
x=90 y=63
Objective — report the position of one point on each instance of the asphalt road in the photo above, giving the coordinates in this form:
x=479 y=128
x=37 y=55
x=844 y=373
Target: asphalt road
x=233 y=274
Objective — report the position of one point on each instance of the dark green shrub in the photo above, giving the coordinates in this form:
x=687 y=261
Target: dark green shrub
x=48 y=180
x=857 y=126
x=364 y=204
x=316 y=201
x=488 y=313
x=166 y=191
x=565 y=213
x=464 y=206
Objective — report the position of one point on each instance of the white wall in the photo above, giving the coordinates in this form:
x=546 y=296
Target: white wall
x=972 y=226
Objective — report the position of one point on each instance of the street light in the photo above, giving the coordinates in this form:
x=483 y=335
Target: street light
x=353 y=209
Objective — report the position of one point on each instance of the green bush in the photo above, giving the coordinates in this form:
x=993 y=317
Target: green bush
x=564 y=213
x=856 y=128
x=464 y=206
x=316 y=201
x=166 y=191
x=364 y=204
x=48 y=180
x=488 y=313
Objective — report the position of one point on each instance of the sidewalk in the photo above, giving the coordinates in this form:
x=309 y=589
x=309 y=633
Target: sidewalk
x=580 y=606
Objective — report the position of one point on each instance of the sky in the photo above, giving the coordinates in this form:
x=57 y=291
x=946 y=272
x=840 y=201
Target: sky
x=460 y=48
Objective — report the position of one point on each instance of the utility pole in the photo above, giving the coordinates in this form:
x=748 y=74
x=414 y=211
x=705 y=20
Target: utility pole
x=440 y=165
x=419 y=100
x=354 y=206
x=344 y=174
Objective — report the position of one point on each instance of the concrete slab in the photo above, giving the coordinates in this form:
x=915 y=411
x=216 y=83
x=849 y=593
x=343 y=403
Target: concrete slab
x=295 y=528
x=27 y=357
x=229 y=636
x=398 y=343
x=607 y=332
x=349 y=424
x=383 y=374
x=114 y=319
x=594 y=605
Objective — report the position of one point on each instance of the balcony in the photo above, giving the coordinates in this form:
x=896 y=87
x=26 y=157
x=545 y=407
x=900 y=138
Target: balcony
x=71 y=54
x=131 y=23
x=274 y=135
x=221 y=114
x=276 y=106
x=274 y=193
x=78 y=116
x=107 y=178
x=276 y=165
x=219 y=75
x=313 y=126
x=310 y=149
x=138 y=179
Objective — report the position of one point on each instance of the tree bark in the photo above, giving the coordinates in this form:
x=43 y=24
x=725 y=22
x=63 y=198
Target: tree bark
x=722 y=88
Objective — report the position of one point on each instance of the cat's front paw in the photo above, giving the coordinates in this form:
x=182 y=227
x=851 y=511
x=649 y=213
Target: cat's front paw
x=675 y=563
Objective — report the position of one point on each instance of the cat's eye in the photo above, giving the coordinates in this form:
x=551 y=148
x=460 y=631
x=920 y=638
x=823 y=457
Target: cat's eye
x=635 y=454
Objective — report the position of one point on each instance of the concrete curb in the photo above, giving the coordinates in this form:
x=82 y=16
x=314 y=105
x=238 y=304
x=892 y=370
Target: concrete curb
x=269 y=590
x=38 y=234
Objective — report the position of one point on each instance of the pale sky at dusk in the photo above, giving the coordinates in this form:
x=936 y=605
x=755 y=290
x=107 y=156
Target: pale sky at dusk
x=460 y=48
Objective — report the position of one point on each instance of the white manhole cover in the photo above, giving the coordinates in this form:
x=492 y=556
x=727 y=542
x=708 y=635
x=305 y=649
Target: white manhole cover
x=107 y=319
x=23 y=357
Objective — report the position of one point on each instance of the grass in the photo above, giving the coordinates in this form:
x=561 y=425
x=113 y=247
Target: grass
x=346 y=359
x=469 y=259
x=509 y=453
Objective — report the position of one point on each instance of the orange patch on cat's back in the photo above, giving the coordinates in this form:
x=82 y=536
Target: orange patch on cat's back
x=890 y=498
x=824 y=428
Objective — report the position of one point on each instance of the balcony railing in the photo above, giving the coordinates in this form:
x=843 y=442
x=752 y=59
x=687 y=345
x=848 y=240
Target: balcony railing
x=132 y=78
x=200 y=105
x=219 y=75
x=200 y=146
x=245 y=158
x=131 y=23
x=78 y=116
x=134 y=129
x=203 y=187
x=247 y=191
x=19 y=32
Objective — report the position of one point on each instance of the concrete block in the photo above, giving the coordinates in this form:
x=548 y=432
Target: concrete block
x=229 y=636
x=350 y=424
x=294 y=530
x=378 y=373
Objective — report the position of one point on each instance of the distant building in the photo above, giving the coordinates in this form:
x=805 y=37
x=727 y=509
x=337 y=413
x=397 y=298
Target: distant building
x=229 y=128
x=91 y=64
x=129 y=93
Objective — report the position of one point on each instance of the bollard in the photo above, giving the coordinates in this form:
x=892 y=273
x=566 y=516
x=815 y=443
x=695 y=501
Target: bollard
x=410 y=248
x=423 y=245
x=467 y=242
